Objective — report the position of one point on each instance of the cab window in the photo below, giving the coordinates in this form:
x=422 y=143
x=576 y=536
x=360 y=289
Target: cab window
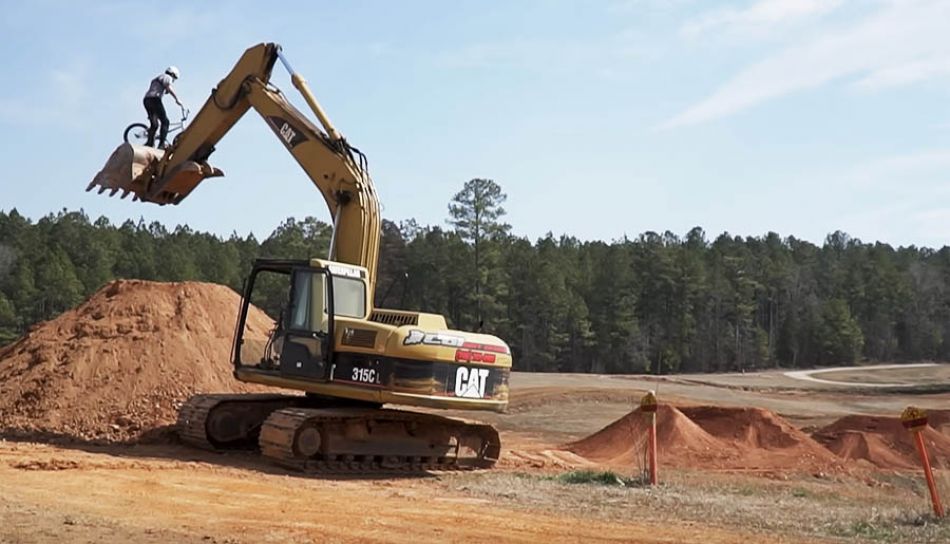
x=308 y=310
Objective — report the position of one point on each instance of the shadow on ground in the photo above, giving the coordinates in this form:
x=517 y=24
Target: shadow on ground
x=163 y=443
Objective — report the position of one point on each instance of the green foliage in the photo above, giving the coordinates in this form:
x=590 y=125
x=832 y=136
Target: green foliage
x=607 y=478
x=658 y=303
x=475 y=212
x=8 y=320
x=840 y=335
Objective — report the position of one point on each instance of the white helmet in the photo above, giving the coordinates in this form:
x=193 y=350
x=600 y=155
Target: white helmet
x=173 y=71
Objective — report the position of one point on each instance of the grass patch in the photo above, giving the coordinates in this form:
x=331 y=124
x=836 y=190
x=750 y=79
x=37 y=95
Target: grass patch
x=850 y=510
x=800 y=493
x=903 y=526
x=606 y=477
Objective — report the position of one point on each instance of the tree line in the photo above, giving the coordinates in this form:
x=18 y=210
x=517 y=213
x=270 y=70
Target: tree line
x=659 y=303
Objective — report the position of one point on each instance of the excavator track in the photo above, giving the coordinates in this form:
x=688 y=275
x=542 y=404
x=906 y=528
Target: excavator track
x=228 y=422
x=363 y=440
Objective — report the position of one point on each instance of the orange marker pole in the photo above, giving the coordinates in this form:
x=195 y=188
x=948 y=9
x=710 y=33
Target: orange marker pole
x=928 y=473
x=915 y=419
x=648 y=406
x=653 y=477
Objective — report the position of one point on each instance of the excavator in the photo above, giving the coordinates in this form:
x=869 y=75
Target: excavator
x=328 y=341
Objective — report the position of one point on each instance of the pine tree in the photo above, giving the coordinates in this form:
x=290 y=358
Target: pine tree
x=475 y=213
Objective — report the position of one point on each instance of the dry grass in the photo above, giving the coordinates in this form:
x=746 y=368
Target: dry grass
x=889 y=508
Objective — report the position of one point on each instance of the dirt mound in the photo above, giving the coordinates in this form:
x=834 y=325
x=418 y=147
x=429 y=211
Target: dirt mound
x=123 y=361
x=679 y=440
x=709 y=437
x=749 y=427
x=882 y=441
x=940 y=420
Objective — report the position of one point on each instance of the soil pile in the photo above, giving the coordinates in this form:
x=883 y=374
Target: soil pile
x=762 y=438
x=121 y=363
x=624 y=440
x=882 y=441
x=705 y=437
x=940 y=420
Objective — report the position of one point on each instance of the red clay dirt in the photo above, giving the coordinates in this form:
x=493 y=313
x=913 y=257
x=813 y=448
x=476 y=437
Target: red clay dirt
x=940 y=420
x=709 y=437
x=121 y=363
x=884 y=442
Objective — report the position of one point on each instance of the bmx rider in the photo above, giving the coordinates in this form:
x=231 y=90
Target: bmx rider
x=153 y=104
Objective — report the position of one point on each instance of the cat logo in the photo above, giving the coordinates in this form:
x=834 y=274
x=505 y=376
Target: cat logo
x=288 y=134
x=291 y=135
x=470 y=382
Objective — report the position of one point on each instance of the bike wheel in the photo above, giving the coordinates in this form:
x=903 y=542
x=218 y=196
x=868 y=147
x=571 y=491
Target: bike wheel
x=136 y=134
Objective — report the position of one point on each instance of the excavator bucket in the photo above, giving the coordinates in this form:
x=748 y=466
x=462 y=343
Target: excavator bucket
x=125 y=171
x=134 y=169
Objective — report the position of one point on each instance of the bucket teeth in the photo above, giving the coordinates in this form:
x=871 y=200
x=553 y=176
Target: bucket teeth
x=126 y=170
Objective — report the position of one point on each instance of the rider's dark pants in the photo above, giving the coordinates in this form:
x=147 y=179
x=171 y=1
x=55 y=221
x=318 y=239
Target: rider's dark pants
x=156 y=116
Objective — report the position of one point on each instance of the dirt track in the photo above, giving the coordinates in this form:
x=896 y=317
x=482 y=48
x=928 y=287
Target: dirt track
x=80 y=496
x=162 y=493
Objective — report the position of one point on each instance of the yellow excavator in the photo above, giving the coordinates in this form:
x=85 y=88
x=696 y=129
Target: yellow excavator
x=328 y=340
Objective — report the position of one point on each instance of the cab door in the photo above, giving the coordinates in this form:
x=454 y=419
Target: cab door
x=308 y=330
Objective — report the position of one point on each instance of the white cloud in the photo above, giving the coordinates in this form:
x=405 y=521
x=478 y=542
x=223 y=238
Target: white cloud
x=758 y=16
x=906 y=74
x=898 y=34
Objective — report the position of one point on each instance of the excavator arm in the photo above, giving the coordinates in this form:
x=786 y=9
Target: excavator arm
x=337 y=169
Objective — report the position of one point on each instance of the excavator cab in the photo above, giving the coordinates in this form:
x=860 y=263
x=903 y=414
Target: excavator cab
x=303 y=298
x=307 y=325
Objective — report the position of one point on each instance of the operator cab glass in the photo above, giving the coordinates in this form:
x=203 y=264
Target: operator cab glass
x=349 y=297
x=301 y=299
x=305 y=342
x=308 y=308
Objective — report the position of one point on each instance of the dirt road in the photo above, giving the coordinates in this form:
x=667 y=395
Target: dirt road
x=809 y=375
x=80 y=496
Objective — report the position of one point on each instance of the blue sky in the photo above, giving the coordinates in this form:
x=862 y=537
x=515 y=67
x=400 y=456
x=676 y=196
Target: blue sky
x=598 y=119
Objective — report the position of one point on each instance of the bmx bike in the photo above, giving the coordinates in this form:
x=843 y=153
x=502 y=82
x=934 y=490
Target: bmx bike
x=137 y=133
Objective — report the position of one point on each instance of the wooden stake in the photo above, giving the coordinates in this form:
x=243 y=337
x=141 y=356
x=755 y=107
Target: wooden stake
x=648 y=405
